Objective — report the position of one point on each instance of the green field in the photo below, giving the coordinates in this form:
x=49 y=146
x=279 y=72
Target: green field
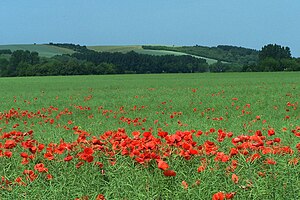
x=43 y=50
x=112 y=49
x=234 y=135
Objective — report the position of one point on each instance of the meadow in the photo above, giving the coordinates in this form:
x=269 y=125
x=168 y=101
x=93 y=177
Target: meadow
x=154 y=136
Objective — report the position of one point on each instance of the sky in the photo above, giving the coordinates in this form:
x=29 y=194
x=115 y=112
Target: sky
x=245 y=23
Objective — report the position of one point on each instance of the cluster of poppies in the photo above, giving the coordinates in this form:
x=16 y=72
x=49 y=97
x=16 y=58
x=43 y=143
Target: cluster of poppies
x=153 y=147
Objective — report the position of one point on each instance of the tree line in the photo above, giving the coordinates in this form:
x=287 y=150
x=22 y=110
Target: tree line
x=87 y=62
x=271 y=57
x=226 y=53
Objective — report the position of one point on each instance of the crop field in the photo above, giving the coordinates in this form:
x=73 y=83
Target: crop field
x=43 y=50
x=157 y=136
x=122 y=49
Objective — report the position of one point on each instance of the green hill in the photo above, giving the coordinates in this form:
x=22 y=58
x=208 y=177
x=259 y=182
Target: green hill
x=43 y=50
x=224 y=53
x=112 y=49
x=141 y=50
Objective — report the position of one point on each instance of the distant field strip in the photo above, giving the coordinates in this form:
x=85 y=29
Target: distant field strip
x=43 y=50
x=122 y=49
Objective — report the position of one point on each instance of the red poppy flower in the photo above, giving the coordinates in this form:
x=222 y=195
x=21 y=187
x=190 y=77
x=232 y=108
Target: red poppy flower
x=201 y=168
x=261 y=174
x=196 y=183
x=162 y=165
x=41 y=147
x=230 y=195
x=186 y=146
x=88 y=151
x=270 y=161
x=271 y=132
x=100 y=197
x=218 y=196
x=293 y=161
x=100 y=164
x=212 y=130
x=49 y=177
x=199 y=133
x=78 y=165
x=147 y=134
x=30 y=175
x=89 y=159
x=9 y=144
x=169 y=173
x=185 y=185
x=25 y=161
x=19 y=181
x=68 y=158
x=277 y=140
x=27 y=171
x=193 y=151
x=8 y=154
x=24 y=155
x=255 y=157
x=235 y=178
x=40 y=167
x=162 y=134
x=33 y=149
x=48 y=156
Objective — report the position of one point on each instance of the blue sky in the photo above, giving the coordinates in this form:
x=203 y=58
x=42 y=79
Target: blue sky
x=169 y=22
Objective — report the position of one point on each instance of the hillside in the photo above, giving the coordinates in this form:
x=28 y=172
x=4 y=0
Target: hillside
x=139 y=49
x=43 y=50
x=74 y=59
x=225 y=53
x=112 y=49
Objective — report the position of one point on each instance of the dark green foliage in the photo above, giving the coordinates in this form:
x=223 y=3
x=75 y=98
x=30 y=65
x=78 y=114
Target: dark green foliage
x=25 y=63
x=274 y=51
x=5 y=51
x=20 y=56
x=74 y=47
x=87 y=62
x=4 y=63
x=231 y=54
x=132 y=62
x=273 y=57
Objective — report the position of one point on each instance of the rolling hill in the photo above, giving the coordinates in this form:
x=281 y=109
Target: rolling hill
x=42 y=49
x=226 y=54
x=141 y=50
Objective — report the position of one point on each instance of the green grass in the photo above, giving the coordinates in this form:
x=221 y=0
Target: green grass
x=43 y=50
x=97 y=104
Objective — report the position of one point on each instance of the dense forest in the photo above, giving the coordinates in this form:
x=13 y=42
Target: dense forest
x=84 y=61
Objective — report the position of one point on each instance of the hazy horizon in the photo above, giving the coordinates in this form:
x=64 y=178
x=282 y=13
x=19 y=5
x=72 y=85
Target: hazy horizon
x=110 y=22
